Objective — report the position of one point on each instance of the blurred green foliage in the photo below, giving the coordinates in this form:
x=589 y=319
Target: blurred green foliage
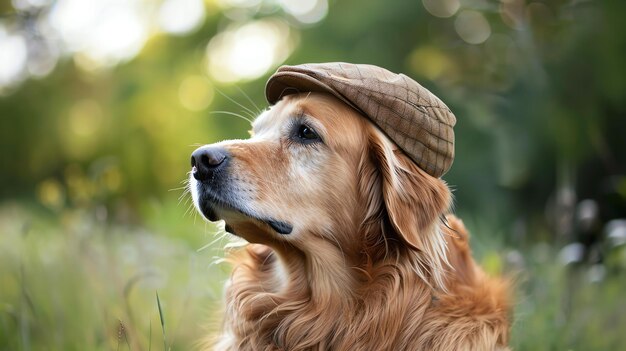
x=91 y=164
x=78 y=283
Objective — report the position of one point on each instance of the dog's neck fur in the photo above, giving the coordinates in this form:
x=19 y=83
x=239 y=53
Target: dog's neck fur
x=296 y=301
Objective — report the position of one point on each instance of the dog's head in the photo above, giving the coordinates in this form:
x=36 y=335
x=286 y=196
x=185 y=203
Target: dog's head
x=316 y=172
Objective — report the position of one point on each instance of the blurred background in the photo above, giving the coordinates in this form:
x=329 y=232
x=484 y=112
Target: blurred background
x=102 y=102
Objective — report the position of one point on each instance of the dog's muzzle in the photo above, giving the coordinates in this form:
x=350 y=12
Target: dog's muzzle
x=209 y=167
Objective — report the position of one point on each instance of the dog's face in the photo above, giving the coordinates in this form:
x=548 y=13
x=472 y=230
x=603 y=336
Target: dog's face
x=295 y=171
x=315 y=170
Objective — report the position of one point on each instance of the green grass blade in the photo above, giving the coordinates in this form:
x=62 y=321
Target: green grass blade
x=162 y=321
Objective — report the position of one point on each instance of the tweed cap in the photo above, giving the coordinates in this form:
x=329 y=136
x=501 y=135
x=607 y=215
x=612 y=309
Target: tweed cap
x=415 y=119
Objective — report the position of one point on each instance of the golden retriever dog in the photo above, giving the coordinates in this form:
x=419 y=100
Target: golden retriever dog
x=351 y=245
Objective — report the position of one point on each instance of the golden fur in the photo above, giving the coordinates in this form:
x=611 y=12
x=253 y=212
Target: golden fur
x=374 y=262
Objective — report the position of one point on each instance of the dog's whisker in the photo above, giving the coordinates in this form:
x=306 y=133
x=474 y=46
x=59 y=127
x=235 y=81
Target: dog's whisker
x=259 y=111
x=232 y=114
x=187 y=202
x=252 y=116
x=186 y=191
x=219 y=237
x=190 y=210
x=235 y=102
x=182 y=198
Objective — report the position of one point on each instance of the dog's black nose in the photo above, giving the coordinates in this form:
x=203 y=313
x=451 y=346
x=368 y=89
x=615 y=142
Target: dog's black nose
x=205 y=161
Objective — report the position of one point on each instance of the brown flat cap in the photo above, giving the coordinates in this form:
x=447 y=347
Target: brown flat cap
x=415 y=119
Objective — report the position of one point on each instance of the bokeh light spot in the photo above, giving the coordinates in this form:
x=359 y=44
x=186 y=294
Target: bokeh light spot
x=429 y=62
x=50 y=193
x=305 y=11
x=42 y=57
x=195 y=93
x=472 y=27
x=85 y=117
x=249 y=51
x=181 y=16
x=13 y=57
x=238 y=3
x=106 y=31
x=112 y=179
x=442 y=8
x=29 y=4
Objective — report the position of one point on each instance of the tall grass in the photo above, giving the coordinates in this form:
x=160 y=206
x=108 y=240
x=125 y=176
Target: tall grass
x=77 y=284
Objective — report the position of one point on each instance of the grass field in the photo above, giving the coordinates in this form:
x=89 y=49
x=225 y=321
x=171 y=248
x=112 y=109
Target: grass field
x=70 y=280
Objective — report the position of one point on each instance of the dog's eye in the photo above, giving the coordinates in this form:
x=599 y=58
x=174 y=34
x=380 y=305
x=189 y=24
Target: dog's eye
x=307 y=133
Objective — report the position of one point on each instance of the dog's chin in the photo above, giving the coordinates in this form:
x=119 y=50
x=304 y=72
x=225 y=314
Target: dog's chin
x=246 y=226
x=234 y=216
x=208 y=211
x=212 y=213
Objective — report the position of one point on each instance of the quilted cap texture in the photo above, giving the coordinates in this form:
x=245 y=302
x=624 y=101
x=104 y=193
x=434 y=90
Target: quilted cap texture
x=415 y=119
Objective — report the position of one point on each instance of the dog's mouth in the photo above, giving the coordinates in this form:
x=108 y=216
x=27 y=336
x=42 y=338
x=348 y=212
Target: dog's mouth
x=210 y=204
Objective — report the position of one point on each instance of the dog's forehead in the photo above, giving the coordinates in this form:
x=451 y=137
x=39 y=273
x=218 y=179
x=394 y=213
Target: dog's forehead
x=340 y=126
x=332 y=114
x=274 y=116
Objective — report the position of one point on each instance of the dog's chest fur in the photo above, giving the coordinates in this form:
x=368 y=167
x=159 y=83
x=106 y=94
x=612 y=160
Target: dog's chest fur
x=395 y=310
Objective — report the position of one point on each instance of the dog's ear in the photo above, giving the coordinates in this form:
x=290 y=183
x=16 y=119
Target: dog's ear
x=413 y=200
